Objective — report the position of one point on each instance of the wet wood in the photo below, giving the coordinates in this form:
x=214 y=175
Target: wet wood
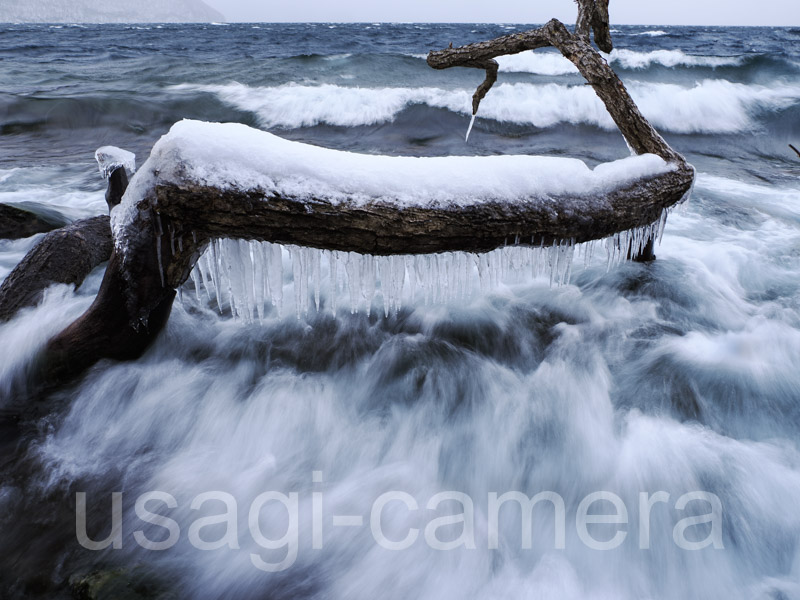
x=66 y=255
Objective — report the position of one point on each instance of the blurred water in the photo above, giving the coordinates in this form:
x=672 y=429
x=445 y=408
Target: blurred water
x=677 y=376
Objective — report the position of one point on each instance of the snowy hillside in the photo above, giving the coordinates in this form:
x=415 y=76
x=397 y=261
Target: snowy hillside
x=97 y=11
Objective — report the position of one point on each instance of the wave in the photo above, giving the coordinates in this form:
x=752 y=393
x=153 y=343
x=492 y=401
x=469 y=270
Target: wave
x=551 y=63
x=712 y=106
x=630 y=59
x=654 y=33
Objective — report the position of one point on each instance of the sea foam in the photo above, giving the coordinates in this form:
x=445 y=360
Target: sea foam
x=711 y=106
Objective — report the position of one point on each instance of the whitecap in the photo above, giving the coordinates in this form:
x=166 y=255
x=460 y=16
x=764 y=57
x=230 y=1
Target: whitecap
x=711 y=106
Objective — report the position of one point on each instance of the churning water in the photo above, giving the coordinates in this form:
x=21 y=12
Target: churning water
x=679 y=376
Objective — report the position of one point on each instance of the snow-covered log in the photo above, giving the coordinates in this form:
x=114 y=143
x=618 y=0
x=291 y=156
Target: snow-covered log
x=207 y=181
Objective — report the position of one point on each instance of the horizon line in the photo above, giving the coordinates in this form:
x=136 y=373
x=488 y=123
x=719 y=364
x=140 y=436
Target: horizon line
x=373 y=22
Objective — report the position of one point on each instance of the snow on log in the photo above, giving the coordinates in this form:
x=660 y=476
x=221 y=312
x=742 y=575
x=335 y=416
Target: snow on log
x=228 y=180
x=204 y=182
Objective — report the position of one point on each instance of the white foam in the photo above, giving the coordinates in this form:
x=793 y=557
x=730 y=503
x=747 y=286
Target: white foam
x=710 y=106
x=539 y=62
x=631 y=59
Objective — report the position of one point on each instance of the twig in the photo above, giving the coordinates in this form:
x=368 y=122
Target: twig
x=795 y=149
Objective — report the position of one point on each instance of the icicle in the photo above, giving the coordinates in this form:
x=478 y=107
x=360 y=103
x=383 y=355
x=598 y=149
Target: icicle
x=353 y=269
x=215 y=273
x=316 y=260
x=297 y=278
x=398 y=267
x=196 y=281
x=384 y=272
x=259 y=279
x=333 y=267
x=204 y=278
x=410 y=267
x=252 y=272
x=368 y=280
x=276 y=276
x=471 y=123
x=247 y=272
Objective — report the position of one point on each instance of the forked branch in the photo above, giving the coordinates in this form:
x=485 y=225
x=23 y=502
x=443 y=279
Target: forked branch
x=592 y=15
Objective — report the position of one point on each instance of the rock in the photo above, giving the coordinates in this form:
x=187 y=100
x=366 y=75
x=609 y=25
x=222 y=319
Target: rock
x=17 y=223
x=118 y=584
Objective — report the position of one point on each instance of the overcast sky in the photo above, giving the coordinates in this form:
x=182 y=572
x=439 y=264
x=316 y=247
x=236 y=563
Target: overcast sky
x=645 y=12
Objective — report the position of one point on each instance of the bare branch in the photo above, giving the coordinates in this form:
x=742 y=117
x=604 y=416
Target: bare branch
x=593 y=16
x=795 y=149
x=583 y=24
x=601 y=26
x=639 y=134
x=491 y=67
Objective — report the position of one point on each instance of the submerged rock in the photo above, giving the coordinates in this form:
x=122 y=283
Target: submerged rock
x=17 y=223
x=119 y=584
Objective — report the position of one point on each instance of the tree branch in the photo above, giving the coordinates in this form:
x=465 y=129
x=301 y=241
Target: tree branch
x=638 y=132
x=795 y=149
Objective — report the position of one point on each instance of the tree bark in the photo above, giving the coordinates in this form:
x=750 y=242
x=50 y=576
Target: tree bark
x=383 y=229
x=66 y=255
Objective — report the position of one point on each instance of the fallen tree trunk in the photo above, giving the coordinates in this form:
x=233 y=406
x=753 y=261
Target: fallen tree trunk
x=163 y=226
x=383 y=229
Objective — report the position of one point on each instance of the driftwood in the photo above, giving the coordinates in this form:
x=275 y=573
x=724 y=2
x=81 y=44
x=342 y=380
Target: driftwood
x=66 y=255
x=158 y=244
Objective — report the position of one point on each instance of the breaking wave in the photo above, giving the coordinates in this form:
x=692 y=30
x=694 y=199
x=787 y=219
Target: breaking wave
x=712 y=106
x=553 y=63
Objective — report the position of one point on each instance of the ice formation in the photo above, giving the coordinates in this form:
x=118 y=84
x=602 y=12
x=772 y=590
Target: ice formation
x=110 y=158
x=469 y=129
x=249 y=277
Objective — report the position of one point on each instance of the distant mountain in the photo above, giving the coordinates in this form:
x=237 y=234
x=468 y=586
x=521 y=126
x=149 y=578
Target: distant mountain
x=107 y=11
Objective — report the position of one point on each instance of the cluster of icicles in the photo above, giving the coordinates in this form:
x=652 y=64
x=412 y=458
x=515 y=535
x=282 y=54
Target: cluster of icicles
x=249 y=276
